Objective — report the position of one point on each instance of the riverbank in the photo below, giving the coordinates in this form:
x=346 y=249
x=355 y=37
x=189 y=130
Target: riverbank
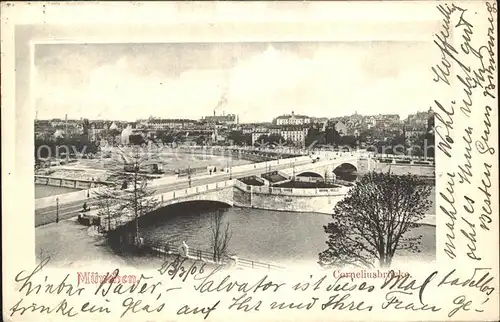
x=71 y=245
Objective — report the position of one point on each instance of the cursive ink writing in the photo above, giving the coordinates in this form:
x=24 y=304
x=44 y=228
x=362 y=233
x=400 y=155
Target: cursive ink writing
x=470 y=235
x=244 y=303
x=442 y=71
x=485 y=217
x=109 y=284
x=336 y=302
x=62 y=287
x=482 y=283
x=451 y=212
x=486 y=52
x=226 y=285
x=483 y=145
x=297 y=306
x=465 y=170
x=62 y=308
x=394 y=301
x=404 y=282
x=177 y=269
x=446 y=122
x=135 y=306
x=205 y=310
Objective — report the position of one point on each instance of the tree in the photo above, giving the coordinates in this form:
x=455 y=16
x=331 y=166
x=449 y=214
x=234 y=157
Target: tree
x=239 y=138
x=332 y=136
x=348 y=141
x=114 y=133
x=164 y=137
x=370 y=223
x=220 y=235
x=136 y=139
x=136 y=198
x=200 y=140
x=262 y=140
x=275 y=138
x=107 y=206
x=315 y=136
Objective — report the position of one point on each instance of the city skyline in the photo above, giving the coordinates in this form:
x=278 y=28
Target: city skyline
x=201 y=117
x=135 y=81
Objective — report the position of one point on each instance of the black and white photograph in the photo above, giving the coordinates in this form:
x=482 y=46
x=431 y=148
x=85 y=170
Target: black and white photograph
x=258 y=154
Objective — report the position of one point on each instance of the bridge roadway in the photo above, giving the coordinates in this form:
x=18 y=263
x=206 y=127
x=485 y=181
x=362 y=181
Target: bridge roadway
x=48 y=214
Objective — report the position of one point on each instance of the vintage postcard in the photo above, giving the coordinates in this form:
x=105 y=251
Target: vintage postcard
x=273 y=161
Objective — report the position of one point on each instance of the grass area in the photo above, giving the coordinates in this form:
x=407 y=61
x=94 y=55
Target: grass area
x=275 y=177
x=252 y=182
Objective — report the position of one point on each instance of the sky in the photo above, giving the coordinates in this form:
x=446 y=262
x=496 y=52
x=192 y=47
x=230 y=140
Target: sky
x=258 y=80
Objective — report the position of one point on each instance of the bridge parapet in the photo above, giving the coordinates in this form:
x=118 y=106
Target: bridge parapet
x=322 y=165
x=293 y=191
x=207 y=192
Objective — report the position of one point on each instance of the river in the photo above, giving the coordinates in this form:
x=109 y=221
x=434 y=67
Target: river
x=263 y=235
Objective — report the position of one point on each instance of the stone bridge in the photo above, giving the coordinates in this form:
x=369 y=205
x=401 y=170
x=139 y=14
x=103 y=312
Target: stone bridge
x=325 y=166
x=229 y=193
x=218 y=192
x=328 y=161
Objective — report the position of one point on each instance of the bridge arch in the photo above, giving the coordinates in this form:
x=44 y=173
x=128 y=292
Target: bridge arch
x=187 y=207
x=189 y=210
x=346 y=167
x=310 y=173
x=346 y=171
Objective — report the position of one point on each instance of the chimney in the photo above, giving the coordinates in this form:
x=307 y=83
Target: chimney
x=214 y=112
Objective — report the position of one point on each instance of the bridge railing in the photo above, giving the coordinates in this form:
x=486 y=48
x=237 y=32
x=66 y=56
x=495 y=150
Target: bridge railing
x=241 y=185
x=180 y=193
x=163 y=250
x=292 y=191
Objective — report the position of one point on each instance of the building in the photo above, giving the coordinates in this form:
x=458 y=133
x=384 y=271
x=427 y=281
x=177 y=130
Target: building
x=230 y=119
x=292 y=119
x=275 y=130
x=125 y=135
x=158 y=124
x=247 y=129
x=370 y=121
x=96 y=130
x=430 y=120
x=257 y=135
x=413 y=132
x=43 y=129
x=296 y=134
x=341 y=128
x=319 y=120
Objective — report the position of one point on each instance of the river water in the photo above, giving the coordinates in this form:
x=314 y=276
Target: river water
x=262 y=235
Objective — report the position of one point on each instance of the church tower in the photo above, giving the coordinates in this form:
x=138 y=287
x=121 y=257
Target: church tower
x=430 y=120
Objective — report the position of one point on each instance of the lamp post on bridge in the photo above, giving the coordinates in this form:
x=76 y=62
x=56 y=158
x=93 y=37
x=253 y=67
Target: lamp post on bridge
x=57 y=209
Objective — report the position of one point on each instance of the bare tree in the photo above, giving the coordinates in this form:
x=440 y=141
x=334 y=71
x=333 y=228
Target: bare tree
x=220 y=235
x=130 y=193
x=370 y=223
